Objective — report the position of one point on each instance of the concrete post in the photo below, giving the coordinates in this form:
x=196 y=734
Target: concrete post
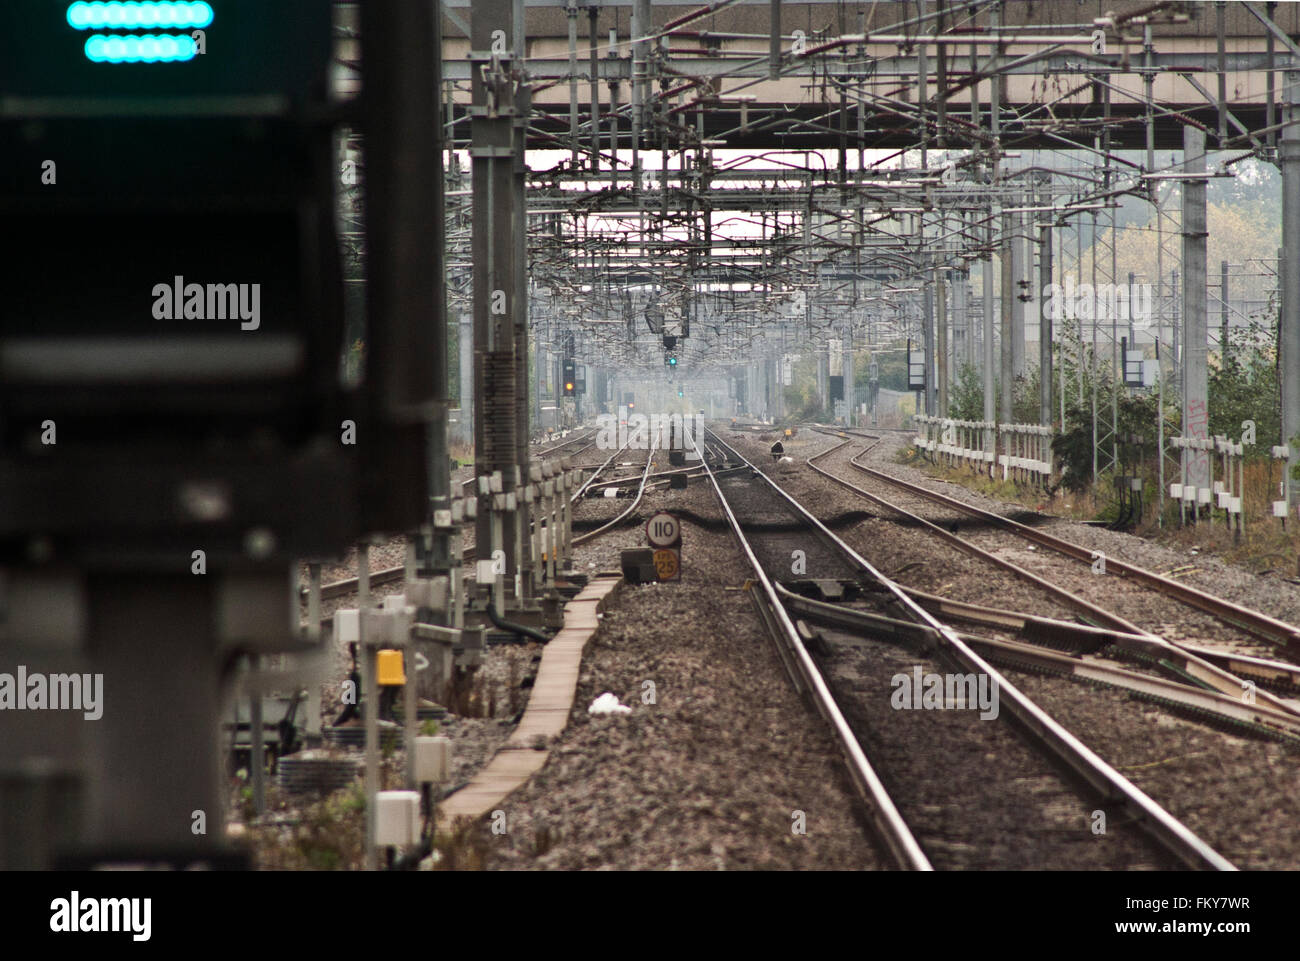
x=846 y=368
x=543 y=361
x=572 y=12
x=989 y=381
x=941 y=340
x=519 y=307
x=1008 y=276
x=1196 y=414
x=961 y=307
x=774 y=56
x=823 y=377
x=466 y=377
x=1044 y=325
x=929 y=347
x=1019 y=273
x=593 y=18
x=1289 y=328
x=496 y=295
x=642 y=24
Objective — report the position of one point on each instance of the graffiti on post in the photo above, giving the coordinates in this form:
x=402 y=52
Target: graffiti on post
x=1198 y=461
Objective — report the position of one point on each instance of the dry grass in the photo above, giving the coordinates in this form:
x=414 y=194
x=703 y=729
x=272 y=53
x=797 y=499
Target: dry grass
x=326 y=835
x=462 y=453
x=1263 y=545
x=1084 y=506
x=461 y=848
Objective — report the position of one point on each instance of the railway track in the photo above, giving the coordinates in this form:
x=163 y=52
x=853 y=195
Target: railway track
x=710 y=450
x=764 y=518
x=1018 y=641
x=391 y=575
x=1212 y=670
x=622 y=515
x=1256 y=623
x=583 y=434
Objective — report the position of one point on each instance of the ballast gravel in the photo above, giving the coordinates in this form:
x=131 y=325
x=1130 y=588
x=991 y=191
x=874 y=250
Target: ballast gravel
x=719 y=765
x=1238 y=793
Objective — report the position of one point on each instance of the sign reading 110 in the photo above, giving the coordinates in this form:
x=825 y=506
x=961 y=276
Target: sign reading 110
x=141 y=47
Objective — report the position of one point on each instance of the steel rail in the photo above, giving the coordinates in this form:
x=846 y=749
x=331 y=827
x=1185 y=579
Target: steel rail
x=1037 y=630
x=565 y=443
x=1253 y=622
x=473 y=480
x=1203 y=670
x=645 y=476
x=1278 y=673
x=390 y=575
x=884 y=815
x=1167 y=830
x=1260 y=718
x=577 y=495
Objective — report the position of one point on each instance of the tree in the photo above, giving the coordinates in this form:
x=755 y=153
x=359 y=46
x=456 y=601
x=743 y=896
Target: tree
x=1244 y=386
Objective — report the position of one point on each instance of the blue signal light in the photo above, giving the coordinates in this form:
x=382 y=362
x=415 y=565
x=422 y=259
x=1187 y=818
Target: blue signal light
x=146 y=48
x=137 y=16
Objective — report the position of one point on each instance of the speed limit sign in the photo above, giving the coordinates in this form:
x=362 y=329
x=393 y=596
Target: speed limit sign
x=663 y=530
x=668 y=564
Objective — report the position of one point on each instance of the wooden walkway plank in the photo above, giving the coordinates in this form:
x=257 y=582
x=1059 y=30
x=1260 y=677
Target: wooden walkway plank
x=549 y=705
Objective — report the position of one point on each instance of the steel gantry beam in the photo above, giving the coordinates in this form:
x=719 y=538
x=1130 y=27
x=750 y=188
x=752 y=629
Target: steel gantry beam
x=727 y=186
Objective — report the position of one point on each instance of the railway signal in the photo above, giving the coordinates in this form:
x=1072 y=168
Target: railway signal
x=173 y=323
x=176 y=307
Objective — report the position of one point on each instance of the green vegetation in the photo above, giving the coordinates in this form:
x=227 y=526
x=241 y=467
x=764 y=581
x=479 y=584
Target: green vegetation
x=329 y=835
x=1243 y=386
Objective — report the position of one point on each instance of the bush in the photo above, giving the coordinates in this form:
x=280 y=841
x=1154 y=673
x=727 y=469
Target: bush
x=1244 y=386
x=1073 y=447
x=966 y=395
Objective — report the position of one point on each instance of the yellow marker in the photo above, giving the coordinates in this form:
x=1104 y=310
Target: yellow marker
x=390 y=670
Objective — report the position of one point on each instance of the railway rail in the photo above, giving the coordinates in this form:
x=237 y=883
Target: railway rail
x=391 y=575
x=1024 y=655
x=887 y=823
x=780 y=611
x=1253 y=622
x=616 y=521
x=1186 y=662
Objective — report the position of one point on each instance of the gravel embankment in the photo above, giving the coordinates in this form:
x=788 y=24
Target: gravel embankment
x=710 y=775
